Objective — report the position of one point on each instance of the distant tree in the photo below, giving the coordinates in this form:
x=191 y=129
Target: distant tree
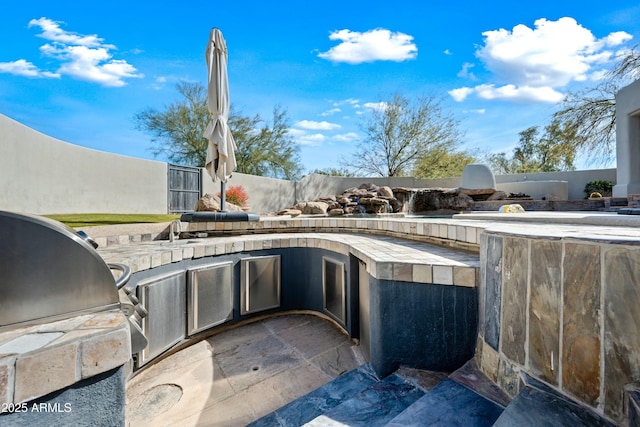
x=592 y=112
x=441 y=163
x=333 y=172
x=554 y=150
x=263 y=149
x=177 y=133
x=401 y=132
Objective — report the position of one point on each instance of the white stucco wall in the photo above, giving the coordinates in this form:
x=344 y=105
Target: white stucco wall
x=265 y=194
x=628 y=140
x=43 y=175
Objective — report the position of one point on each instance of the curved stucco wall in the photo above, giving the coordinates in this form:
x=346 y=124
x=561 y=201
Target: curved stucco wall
x=43 y=175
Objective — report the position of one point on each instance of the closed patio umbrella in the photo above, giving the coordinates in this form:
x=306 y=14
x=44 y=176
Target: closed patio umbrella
x=221 y=159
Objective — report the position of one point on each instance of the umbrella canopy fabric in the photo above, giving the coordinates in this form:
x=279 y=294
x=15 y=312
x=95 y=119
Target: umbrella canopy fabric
x=221 y=159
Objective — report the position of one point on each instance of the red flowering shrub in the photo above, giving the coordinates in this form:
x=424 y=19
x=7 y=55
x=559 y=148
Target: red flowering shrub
x=236 y=195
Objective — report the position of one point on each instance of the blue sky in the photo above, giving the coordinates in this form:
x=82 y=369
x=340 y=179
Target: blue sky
x=81 y=71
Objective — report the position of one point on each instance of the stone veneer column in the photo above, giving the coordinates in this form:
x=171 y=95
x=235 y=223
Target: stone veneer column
x=514 y=296
x=493 y=291
x=544 y=309
x=581 y=326
x=628 y=141
x=622 y=325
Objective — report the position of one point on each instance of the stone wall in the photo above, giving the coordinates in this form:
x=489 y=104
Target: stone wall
x=562 y=308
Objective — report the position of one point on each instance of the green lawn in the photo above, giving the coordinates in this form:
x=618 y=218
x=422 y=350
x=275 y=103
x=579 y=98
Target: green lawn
x=87 y=220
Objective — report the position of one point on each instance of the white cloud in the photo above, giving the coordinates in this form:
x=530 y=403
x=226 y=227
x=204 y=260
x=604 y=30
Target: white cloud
x=346 y=137
x=477 y=111
x=465 y=73
x=85 y=57
x=350 y=101
x=380 y=106
x=303 y=137
x=518 y=93
x=532 y=64
x=25 y=68
x=447 y=52
x=331 y=112
x=159 y=83
x=617 y=38
x=374 y=45
x=313 y=125
x=51 y=31
x=460 y=94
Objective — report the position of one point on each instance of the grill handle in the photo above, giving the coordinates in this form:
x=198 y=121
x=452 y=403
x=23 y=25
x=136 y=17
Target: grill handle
x=126 y=273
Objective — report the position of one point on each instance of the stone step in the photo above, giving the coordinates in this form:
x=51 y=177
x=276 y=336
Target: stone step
x=629 y=211
x=373 y=406
x=321 y=400
x=539 y=405
x=449 y=404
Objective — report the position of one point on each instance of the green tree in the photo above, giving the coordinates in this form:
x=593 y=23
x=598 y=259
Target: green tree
x=554 y=150
x=177 y=133
x=592 y=112
x=265 y=149
x=441 y=163
x=400 y=133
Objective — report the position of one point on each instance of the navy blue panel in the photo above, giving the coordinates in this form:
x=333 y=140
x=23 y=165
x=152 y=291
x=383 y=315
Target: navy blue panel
x=423 y=326
x=493 y=291
x=96 y=401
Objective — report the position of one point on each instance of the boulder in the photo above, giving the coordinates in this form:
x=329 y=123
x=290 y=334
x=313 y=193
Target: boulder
x=436 y=199
x=478 y=193
x=498 y=195
x=375 y=205
x=336 y=212
x=312 y=208
x=368 y=187
x=351 y=209
x=290 y=211
x=211 y=203
x=385 y=191
x=333 y=205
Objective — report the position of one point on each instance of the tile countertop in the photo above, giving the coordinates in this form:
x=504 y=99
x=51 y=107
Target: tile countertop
x=386 y=258
x=64 y=352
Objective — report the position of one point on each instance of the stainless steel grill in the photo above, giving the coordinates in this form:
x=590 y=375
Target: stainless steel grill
x=48 y=271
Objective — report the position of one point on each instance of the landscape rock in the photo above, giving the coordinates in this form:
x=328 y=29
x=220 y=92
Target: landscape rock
x=290 y=211
x=312 y=208
x=211 y=203
x=385 y=192
x=375 y=205
x=478 y=193
x=437 y=199
x=336 y=212
x=498 y=195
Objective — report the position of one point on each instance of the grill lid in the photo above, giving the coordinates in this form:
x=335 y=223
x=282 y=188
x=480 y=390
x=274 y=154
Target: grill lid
x=48 y=271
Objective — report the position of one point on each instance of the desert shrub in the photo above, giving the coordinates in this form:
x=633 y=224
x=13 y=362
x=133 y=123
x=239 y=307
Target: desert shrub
x=236 y=195
x=601 y=186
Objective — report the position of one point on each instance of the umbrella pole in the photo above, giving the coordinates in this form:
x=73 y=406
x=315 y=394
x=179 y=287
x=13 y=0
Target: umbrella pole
x=223 y=195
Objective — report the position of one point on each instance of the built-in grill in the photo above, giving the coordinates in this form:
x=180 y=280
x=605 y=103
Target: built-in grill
x=48 y=271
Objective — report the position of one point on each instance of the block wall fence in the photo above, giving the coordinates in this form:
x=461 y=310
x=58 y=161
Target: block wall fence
x=43 y=175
